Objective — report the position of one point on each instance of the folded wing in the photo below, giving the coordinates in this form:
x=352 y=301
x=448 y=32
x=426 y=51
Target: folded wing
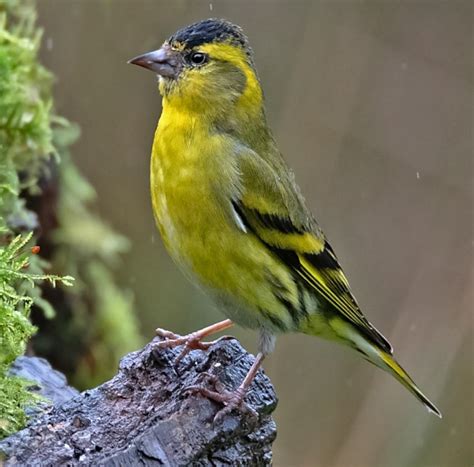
x=273 y=209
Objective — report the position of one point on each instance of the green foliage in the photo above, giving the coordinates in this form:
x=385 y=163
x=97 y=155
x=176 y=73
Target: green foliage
x=15 y=399
x=26 y=137
x=15 y=327
x=25 y=113
x=96 y=315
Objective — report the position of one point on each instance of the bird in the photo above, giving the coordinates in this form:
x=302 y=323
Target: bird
x=232 y=216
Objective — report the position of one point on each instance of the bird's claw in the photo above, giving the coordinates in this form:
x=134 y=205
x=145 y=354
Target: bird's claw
x=165 y=334
x=230 y=399
x=190 y=342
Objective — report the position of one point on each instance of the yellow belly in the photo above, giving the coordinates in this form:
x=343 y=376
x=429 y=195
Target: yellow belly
x=195 y=220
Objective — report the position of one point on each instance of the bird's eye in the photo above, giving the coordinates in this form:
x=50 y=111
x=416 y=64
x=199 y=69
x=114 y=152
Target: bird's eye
x=198 y=58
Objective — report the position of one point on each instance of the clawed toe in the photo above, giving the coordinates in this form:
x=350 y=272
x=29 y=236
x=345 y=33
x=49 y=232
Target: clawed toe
x=230 y=399
x=166 y=334
x=189 y=342
x=234 y=401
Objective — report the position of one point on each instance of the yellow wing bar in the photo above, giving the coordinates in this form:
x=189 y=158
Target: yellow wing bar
x=311 y=258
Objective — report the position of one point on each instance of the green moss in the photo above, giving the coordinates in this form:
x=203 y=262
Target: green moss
x=16 y=301
x=25 y=144
x=96 y=315
x=25 y=112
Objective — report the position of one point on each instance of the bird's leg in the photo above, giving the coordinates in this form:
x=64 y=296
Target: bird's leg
x=191 y=341
x=231 y=399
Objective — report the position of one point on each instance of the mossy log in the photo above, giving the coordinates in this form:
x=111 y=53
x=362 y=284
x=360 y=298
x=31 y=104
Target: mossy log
x=144 y=415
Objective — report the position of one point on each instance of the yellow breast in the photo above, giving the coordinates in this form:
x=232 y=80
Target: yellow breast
x=193 y=180
x=183 y=190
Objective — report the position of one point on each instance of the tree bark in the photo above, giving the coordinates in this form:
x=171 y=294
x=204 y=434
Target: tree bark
x=144 y=416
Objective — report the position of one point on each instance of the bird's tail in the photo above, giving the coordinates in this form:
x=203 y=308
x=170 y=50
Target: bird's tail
x=385 y=361
x=391 y=365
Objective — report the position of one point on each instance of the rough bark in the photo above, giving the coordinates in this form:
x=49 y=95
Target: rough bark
x=144 y=416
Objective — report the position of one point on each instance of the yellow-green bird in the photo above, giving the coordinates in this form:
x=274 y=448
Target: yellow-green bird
x=231 y=214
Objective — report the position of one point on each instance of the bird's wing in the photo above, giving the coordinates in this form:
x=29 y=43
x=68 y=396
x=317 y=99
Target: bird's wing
x=272 y=208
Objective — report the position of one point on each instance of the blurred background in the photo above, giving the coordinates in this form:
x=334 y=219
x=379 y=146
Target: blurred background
x=371 y=103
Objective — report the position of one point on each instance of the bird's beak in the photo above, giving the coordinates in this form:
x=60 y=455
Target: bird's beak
x=163 y=62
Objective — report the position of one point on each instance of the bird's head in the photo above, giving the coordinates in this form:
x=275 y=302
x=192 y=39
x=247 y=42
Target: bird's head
x=206 y=67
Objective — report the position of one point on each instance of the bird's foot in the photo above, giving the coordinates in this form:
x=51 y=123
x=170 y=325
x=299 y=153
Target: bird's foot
x=230 y=399
x=192 y=341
